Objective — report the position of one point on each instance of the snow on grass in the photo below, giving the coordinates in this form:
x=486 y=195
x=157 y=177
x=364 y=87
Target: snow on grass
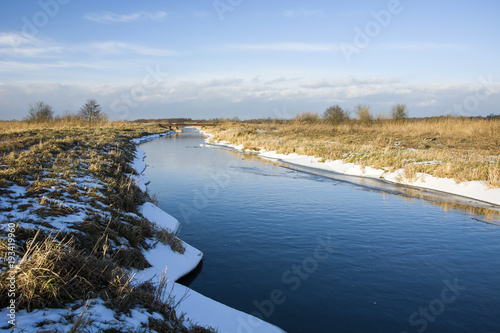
x=100 y=318
x=32 y=211
x=477 y=190
x=472 y=189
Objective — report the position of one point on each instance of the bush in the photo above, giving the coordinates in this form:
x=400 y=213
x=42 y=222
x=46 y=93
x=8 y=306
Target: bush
x=40 y=112
x=308 y=117
x=364 y=115
x=336 y=115
x=399 y=112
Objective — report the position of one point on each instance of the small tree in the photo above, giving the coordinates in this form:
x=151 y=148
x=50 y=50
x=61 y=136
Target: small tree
x=364 y=115
x=40 y=112
x=336 y=115
x=90 y=111
x=399 y=112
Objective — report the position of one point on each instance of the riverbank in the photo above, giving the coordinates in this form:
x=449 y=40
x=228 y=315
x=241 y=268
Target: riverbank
x=424 y=158
x=82 y=247
x=197 y=308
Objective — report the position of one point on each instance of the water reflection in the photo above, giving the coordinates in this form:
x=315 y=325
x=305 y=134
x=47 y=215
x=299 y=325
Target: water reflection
x=393 y=245
x=448 y=202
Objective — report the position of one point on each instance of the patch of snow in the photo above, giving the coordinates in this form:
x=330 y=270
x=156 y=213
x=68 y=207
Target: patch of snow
x=138 y=163
x=471 y=189
x=18 y=191
x=162 y=258
x=159 y=216
x=204 y=311
x=477 y=190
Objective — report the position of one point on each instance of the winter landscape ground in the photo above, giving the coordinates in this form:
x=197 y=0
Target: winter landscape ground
x=454 y=155
x=83 y=246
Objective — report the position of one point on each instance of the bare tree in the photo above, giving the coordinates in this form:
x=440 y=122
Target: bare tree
x=399 y=112
x=40 y=112
x=91 y=111
x=336 y=115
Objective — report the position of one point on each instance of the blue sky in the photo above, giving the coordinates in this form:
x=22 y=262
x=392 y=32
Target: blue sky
x=227 y=58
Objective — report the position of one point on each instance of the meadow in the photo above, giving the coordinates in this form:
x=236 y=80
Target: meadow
x=464 y=149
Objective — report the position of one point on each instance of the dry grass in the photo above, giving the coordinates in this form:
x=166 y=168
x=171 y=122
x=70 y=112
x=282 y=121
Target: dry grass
x=458 y=148
x=91 y=259
x=53 y=273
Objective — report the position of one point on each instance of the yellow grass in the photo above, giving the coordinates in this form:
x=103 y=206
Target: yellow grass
x=460 y=148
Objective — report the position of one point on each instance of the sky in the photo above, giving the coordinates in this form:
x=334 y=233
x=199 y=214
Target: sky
x=250 y=59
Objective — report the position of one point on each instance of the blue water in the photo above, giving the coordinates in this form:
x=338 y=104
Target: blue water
x=310 y=253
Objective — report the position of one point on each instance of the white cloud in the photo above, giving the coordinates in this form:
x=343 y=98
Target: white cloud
x=236 y=96
x=110 y=17
x=20 y=54
x=13 y=39
x=18 y=45
x=116 y=47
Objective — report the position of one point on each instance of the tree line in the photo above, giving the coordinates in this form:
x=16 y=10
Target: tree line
x=337 y=115
x=91 y=112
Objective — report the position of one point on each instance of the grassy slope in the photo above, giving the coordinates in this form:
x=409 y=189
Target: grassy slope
x=67 y=174
x=459 y=148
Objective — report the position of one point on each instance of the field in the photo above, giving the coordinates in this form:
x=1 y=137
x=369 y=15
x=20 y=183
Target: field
x=464 y=149
x=71 y=232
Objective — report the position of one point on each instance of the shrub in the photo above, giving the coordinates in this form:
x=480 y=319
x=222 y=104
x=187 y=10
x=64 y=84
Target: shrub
x=364 y=115
x=399 y=112
x=336 y=115
x=40 y=112
x=308 y=117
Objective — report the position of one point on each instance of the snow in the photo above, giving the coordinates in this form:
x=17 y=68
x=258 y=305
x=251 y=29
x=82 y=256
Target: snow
x=209 y=312
x=159 y=216
x=138 y=163
x=473 y=189
x=198 y=309
x=177 y=265
x=147 y=138
x=477 y=190
x=60 y=320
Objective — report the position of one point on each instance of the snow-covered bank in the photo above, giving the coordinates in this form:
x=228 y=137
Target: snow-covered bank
x=199 y=309
x=93 y=238
x=476 y=190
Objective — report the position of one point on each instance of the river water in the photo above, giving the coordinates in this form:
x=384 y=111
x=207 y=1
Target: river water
x=318 y=253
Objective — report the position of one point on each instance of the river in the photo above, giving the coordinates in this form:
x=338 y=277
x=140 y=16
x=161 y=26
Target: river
x=319 y=253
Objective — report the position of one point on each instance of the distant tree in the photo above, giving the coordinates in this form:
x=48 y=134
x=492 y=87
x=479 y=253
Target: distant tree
x=91 y=111
x=399 y=112
x=40 y=112
x=364 y=115
x=336 y=115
